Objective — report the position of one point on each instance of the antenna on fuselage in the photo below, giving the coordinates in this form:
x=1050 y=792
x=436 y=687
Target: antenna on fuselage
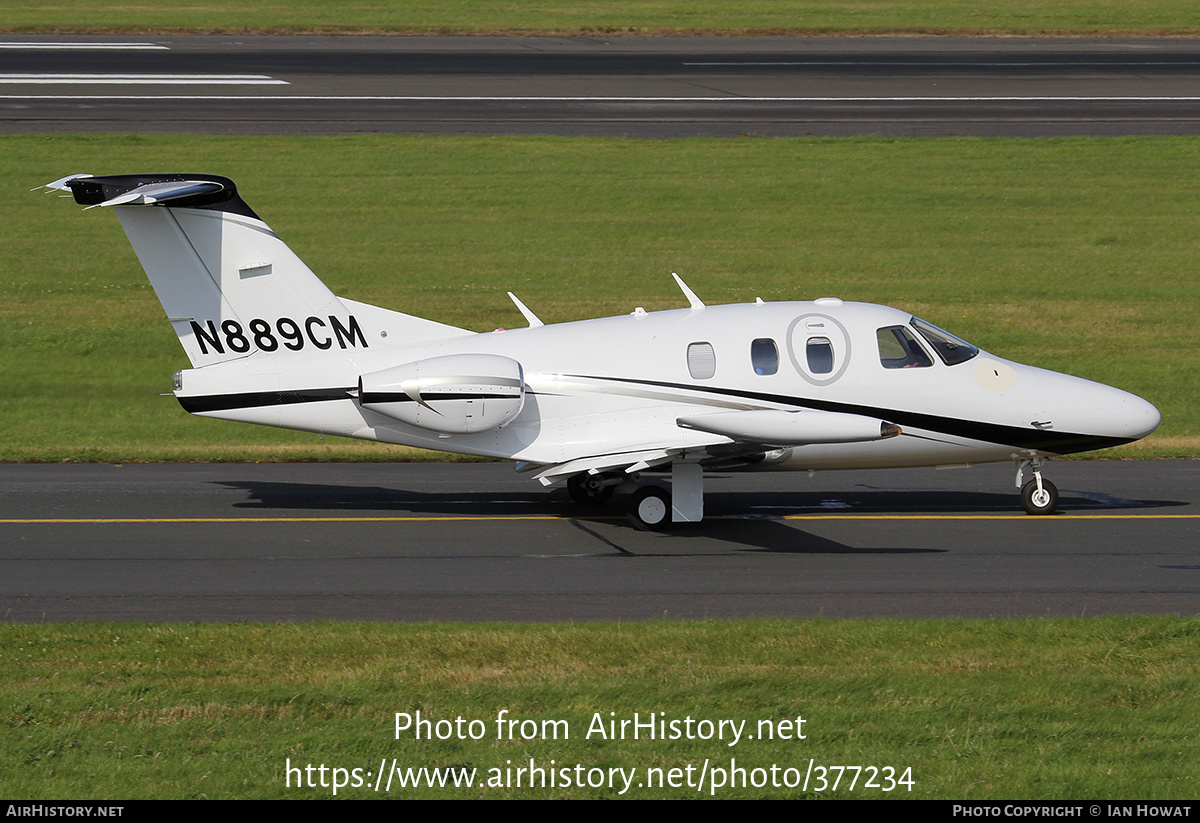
x=533 y=319
x=695 y=301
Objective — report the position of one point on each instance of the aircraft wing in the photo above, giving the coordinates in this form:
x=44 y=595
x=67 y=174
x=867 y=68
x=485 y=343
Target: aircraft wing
x=783 y=427
x=739 y=437
x=711 y=451
x=627 y=462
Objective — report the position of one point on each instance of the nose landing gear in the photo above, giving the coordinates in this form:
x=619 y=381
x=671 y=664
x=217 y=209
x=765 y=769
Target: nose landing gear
x=1038 y=496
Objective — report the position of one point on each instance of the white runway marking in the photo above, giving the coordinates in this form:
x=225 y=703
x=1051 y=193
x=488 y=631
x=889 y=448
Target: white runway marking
x=83 y=46
x=142 y=79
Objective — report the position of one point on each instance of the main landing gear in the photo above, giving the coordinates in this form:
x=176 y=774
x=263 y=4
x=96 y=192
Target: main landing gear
x=1039 y=495
x=651 y=507
x=654 y=508
x=592 y=489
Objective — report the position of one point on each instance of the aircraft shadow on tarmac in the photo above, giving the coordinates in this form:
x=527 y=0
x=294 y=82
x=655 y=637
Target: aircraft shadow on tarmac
x=729 y=504
x=751 y=521
x=756 y=535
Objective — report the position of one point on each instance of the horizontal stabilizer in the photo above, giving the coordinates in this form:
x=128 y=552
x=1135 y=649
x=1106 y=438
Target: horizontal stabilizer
x=778 y=427
x=61 y=183
x=152 y=193
x=194 y=191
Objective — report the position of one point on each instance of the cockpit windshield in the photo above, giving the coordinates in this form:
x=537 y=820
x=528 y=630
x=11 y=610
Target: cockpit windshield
x=951 y=349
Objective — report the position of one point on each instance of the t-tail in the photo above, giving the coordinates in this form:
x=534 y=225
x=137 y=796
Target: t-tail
x=230 y=287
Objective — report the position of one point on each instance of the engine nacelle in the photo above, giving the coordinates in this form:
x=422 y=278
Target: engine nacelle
x=451 y=394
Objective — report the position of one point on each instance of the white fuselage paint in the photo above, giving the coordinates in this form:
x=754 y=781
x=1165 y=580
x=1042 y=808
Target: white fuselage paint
x=619 y=384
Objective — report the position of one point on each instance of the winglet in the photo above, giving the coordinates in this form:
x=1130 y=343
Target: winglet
x=695 y=301
x=533 y=319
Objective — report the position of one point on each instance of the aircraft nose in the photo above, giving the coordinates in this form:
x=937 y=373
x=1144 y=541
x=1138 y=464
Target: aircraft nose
x=1140 y=417
x=1111 y=412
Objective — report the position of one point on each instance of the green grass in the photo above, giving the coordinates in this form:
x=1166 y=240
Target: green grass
x=628 y=17
x=1078 y=255
x=1044 y=709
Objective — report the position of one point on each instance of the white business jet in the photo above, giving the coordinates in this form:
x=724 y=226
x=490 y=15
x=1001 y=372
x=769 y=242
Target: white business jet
x=593 y=404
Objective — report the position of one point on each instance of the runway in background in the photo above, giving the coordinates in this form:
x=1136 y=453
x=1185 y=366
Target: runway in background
x=639 y=87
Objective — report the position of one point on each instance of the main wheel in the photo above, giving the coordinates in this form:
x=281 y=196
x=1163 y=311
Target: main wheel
x=650 y=508
x=589 y=489
x=1044 y=501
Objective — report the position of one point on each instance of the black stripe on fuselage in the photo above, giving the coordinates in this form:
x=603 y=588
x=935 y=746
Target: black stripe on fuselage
x=399 y=397
x=253 y=400
x=1016 y=436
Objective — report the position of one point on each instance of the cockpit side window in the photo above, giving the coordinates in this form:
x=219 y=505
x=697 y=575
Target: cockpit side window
x=899 y=349
x=951 y=349
x=764 y=356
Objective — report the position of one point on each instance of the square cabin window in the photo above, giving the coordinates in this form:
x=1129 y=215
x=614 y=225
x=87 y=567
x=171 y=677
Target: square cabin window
x=764 y=356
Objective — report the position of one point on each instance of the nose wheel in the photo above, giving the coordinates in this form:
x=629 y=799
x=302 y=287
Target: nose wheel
x=1039 y=495
x=1042 y=500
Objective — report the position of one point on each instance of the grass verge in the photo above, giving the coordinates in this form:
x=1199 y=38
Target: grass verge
x=746 y=17
x=1047 y=709
x=1077 y=255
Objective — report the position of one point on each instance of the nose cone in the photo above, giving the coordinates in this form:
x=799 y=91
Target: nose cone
x=1102 y=414
x=1139 y=417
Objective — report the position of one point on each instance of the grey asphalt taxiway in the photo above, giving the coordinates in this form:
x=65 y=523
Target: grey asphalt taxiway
x=644 y=87
x=287 y=542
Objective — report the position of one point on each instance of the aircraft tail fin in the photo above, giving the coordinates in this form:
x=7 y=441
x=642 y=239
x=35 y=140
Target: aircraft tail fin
x=229 y=285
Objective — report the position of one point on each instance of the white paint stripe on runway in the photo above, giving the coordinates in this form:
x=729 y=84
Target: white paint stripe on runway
x=141 y=79
x=526 y=99
x=1081 y=64
x=83 y=46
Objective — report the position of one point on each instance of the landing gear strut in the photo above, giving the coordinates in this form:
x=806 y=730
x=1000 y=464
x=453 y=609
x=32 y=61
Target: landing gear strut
x=1038 y=496
x=591 y=489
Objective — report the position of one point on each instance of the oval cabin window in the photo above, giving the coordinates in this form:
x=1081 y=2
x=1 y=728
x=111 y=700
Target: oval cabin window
x=819 y=353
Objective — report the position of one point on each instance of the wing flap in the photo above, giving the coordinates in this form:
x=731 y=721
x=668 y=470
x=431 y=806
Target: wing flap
x=628 y=462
